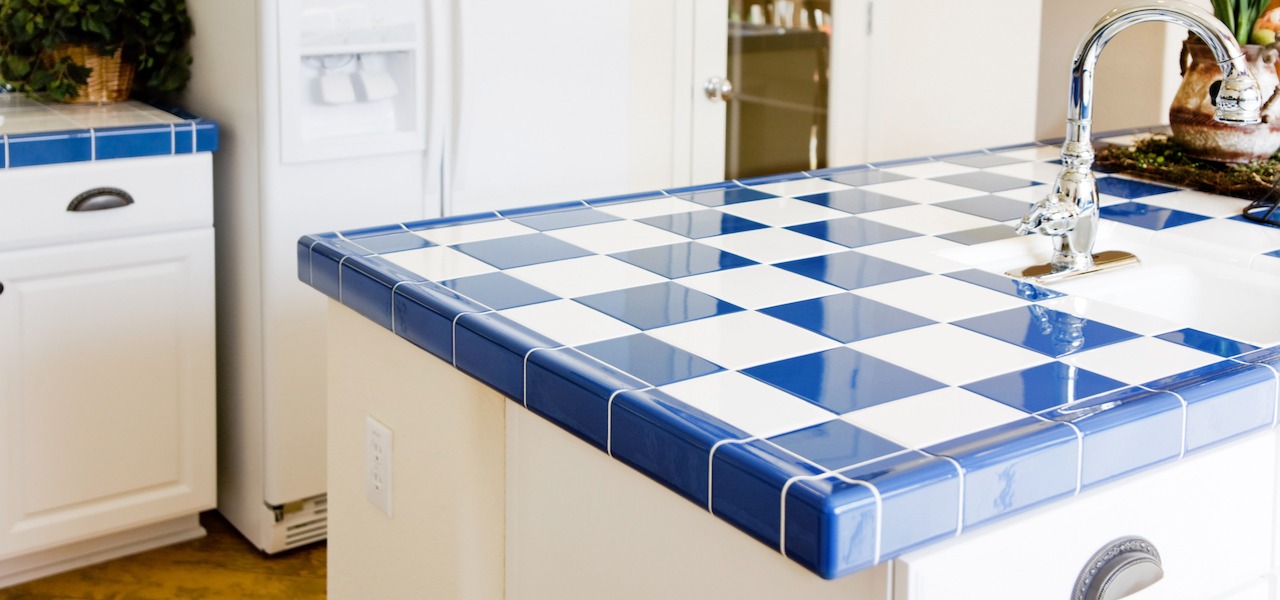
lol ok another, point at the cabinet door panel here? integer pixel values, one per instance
(106, 386)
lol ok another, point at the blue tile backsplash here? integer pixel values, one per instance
(841, 438)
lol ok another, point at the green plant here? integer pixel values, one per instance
(1239, 16)
(152, 34)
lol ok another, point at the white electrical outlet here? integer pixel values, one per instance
(377, 464)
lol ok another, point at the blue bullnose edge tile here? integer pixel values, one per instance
(492, 348)
(527, 211)
(1266, 356)
(423, 314)
(426, 224)
(4, 151)
(1013, 467)
(837, 170)
(624, 199)
(763, 179)
(305, 243)
(1224, 400)
(1124, 431)
(184, 137)
(374, 231)
(206, 136)
(326, 260)
(30, 149)
(132, 142)
(365, 290)
(573, 390)
(746, 486)
(668, 440)
(832, 521)
(705, 187)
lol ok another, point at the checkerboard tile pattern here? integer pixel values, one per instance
(793, 354)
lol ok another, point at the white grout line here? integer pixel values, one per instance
(173, 139)
(6, 151)
(93, 144)
(193, 137)
(711, 462)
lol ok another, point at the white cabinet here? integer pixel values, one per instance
(107, 414)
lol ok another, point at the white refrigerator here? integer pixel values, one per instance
(337, 114)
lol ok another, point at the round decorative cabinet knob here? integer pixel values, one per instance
(1122, 567)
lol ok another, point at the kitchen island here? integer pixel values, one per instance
(830, 362)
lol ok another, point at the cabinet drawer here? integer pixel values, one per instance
(168, 192)
(1210, 517)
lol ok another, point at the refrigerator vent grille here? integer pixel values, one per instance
(302, 526)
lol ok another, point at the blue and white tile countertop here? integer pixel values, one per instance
(34, 132)
(798, 355)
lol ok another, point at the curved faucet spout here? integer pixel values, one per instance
(1069, 214)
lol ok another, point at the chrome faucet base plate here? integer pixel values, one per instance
(1102, 261)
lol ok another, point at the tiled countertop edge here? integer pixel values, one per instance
(105, 143)
(784, 501)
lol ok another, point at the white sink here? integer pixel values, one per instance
(1222, 299)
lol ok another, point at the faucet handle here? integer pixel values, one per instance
(1053, 215)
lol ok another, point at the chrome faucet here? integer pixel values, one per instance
(1069, 214)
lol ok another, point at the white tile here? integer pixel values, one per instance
(923, 191)
(772, 245)
(800, 187)
(743, 339)
(617, 236)
(950, 354)
(930, 169)
(782, 212)
(933, 417)
(1045, 172)
(1049, 152)
(650, 208)
(1130, 320)
(941, 298)
(36, 123)
(439, 263)
(921, 252)
(1200, 203)
(586, 275)
(1221, 239)
(475, 232)
(1034, 193)
(1141, 360)
(759, 286)
(929, 220)
(569, 322)
(748, 404)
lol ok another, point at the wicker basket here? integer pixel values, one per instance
(111, 79)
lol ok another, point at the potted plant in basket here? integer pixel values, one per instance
(1191, 114)
(95, 50)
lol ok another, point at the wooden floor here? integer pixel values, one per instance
(220, 565)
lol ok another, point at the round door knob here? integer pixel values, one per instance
(718, 88)
(1121, 568)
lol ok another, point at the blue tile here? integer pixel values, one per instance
(653, 361)
(984, 181)
(498, 291)
(26, 150)
(372, 231)
(452, 221)
(521, 250)
(206, 136)
(658, 305)
(866, 177)
(1005, 285)
(842, 379)
(625, 199)
(1043, 387)
(983, 160)
(681, 260)
(919, 496)
(853, 231)
(1047, 331)
(702, 223)
(1273, 253)
(1148, 216)
(573, 390)
(542, 209)
(1130, 189)
(847, 317)
(365, 290)
(326, 260)
(392, 242)
(668, 440)
(828, 171)
(1013, 467)
(721, 197)
(831, 525)
(855, 201)
(763, 179)
(746, 486)
(1224, 400)
(134, 142)
(424, 314)
(980, 235)
(563, 219)
(492, 348)
(851, 270)
(836, 444)
(1207, 342)
(1124, 431)
(996, 208)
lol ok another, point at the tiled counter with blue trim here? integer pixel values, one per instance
(801, 356)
